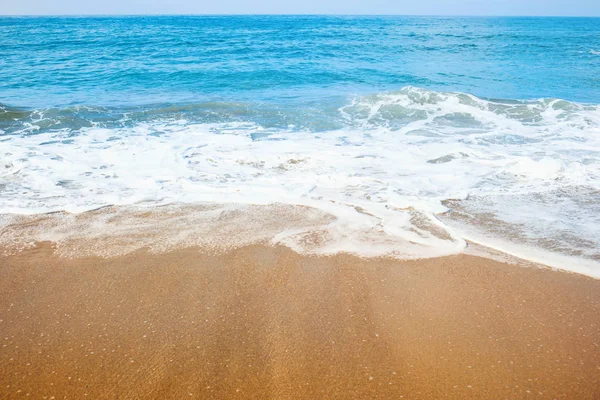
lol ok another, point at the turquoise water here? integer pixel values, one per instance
(157, 60)
(459, 120)
(280, 70)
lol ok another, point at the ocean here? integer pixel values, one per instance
(417, 135)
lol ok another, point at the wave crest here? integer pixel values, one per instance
(440, 110)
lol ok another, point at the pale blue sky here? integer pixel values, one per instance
(413, 7)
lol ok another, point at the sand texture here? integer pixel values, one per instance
(264, 322)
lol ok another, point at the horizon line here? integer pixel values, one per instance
(300, 15)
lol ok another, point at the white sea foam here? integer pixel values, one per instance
(382, 179)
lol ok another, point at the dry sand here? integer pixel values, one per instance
(264, 322)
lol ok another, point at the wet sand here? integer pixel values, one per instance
(263, 322)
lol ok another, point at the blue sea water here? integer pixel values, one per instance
(106, 61)
(461, 120)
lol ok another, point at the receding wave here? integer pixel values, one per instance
(411, 173)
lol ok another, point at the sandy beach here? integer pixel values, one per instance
(264, 322)
(300, 200)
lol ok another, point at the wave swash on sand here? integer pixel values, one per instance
(411, 173)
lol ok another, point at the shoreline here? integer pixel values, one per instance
(265, 322)
(118, 230)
